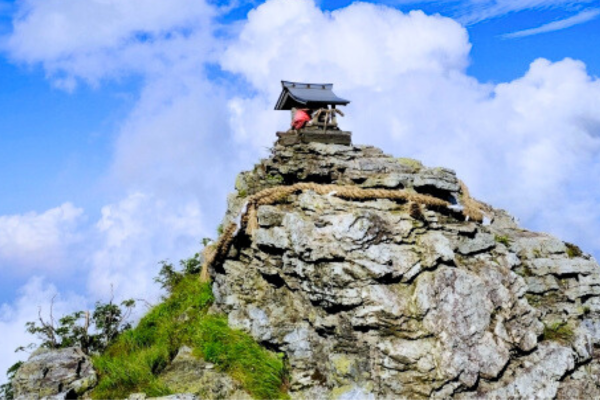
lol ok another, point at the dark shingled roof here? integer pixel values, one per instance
(309, 95)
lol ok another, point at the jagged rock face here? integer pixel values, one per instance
(368, 299)
(54, 374)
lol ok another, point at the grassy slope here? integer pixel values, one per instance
(133, 362)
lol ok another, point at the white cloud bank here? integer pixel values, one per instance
(95, 39)
(38, 242)
(531, 146)
(132, 236)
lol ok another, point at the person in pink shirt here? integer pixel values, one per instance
(301, 118)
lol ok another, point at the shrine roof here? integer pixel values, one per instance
(310, 95)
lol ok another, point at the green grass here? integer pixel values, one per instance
(558, 331)
(134, 361)
(412, 163)
(505, 240)
(524, 271)
(573, 250)
(274, 179)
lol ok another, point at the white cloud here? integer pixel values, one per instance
(473, 11)
(33, 296)
(405, 75)
(364, 48)
(577, 19)
(94, 39)
(39, 242)
(132, 236)
(170, 150)
(176, 141)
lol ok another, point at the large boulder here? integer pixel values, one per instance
(190, 374)
(54, 374)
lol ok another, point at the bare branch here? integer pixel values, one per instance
(146, 302)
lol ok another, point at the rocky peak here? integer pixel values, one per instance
(363, 166)
(369, 298)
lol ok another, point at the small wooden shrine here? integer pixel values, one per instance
(314, 113)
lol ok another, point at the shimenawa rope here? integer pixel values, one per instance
(248, 219)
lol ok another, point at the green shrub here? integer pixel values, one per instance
(6, 390)
(274, 179)
(133, 362)
(92, 332)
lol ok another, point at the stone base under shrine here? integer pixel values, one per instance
(312, 135)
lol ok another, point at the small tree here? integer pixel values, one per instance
(73, 330)
(91, 332)
(110, 320)
(168, 276)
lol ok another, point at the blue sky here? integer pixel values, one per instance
(123, 123)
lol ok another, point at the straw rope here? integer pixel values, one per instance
(472, 208)
(248, 221)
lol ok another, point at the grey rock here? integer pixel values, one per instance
(193, 378)
(537, 245)
(54, 373)
(542, 284)
(274, 238)
(539, 375)
(269, 216)
(389, 181)
(564, 266)
(368, 302)
(581, 384)
(481, 242)
(439, 178)
(435, 248)
(353, 393)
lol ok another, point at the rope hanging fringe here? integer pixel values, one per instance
(473, 207)
(248, 219)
